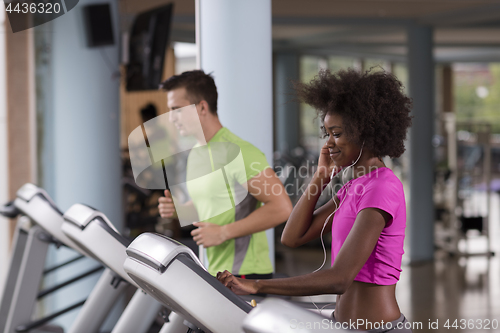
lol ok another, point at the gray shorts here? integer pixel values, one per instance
(395, 326)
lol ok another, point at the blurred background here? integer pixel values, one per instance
(73, 89)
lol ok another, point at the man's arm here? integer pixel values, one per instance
(167, 209)
(265, 187)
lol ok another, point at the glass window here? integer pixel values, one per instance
(338, 63)
(309, 123)
(477, 93)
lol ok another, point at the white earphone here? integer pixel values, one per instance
(336, 209)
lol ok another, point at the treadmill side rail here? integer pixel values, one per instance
(274, 315)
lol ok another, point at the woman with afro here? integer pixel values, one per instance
(365, 117)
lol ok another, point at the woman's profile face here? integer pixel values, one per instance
(342, 150)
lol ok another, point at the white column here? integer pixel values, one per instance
(83, 127)
(4, 223)
(235, 44)
(286, 69)
(421, 84)
(86, 117)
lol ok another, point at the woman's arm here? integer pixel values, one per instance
(305, 224)
(352, 256)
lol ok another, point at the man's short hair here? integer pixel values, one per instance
(199, 86)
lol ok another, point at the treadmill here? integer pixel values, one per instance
(173, 275)
(91, 230)
(274, 315)
(36, 230)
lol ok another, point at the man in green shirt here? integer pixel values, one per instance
(232, 230)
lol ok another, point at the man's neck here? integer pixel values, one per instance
(211, 128)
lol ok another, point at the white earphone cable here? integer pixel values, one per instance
(326, 221)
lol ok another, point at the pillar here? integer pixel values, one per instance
(421, 84)
(78, 102)
(4, 189)
(235, 44)
(287, 109)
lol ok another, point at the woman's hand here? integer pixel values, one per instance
(237, 285)
(305, 223)
(326, 165)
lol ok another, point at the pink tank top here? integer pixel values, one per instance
(380, 189)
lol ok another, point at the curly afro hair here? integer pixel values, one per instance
(372, 105)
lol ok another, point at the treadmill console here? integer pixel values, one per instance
(28, 191)
(81, 215)
(158, 251)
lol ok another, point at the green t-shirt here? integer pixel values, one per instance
(216, 173)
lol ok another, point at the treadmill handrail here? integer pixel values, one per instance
(216, 284)
(63, 284)
(278, 315)
(9, 210)
(37, 323)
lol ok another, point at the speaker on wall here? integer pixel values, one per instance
(99, 25)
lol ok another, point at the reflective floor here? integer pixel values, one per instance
(464, 289)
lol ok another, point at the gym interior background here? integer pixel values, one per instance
(66, 112)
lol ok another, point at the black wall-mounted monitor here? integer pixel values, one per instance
(99, 25)
(148, 42)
